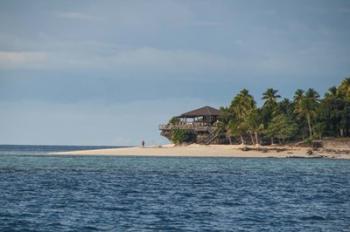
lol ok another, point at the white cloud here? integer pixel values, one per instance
(149, 62)
(149, 13)
(75, 15)
(89, 123)
(12, 60)
(206, 23)
(169, 60)
(131, 13)
(144, 59)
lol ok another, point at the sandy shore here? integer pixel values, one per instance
(196, 150)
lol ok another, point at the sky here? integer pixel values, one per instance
(109, 72)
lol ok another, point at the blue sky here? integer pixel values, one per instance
(108, 72)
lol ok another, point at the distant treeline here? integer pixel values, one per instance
(306, 117)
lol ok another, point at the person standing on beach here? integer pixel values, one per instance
(143, 143)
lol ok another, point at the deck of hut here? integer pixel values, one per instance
(201, 123)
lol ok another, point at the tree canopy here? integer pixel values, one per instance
(306, 116)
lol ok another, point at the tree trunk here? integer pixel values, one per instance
(229, 139)
(309, 124)
(256, 138)
(252, 138)
(242, 140)
(272, 141)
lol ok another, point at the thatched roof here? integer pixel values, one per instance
(203, 111)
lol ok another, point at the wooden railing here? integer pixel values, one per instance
(187, 126)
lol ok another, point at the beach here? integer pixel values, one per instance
(196, 150)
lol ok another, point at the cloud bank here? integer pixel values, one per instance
(94, 61)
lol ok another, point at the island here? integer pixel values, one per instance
(307, 126)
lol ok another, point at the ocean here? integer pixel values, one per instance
(42, 192)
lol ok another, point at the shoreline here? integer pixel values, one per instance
(196, 150)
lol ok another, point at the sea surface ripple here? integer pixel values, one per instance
(102, 193)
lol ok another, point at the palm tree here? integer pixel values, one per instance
(332, 92)
(297, 102)
(238, 128)
(286, 107)
(343, 93)
(270, 96)
(223, 128)
(344, 88)
(255, 125)
(281, 127)
(223, 125)
(298, 96)
(242, 106)
(306, 106)
(312, 94)
(334, 109)
(270, 107)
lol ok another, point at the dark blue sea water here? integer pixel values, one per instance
(41, 192)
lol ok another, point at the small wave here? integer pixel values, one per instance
(313, 218)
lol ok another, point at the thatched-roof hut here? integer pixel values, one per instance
(200, 123)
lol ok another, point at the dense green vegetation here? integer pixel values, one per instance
(305, 117)
(179, 136)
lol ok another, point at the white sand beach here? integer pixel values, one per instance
(195, 150)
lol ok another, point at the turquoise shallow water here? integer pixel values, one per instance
(52, 193)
